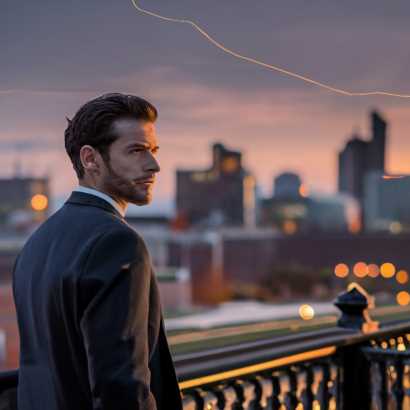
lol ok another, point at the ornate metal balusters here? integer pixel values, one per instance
(190, 402)
(306, 387)
(323, 393)
(397, 388)
(333, 385)
(274, 402)
(288, 389)
(382, 385)
(227, 398)
(245, 391)
(264, 392)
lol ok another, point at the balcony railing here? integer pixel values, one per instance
(354, 366)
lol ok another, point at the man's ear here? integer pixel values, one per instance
(89, 159)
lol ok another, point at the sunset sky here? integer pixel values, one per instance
(54, 56)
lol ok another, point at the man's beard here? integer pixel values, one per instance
(124, 188)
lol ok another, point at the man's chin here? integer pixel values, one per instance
(141, 201)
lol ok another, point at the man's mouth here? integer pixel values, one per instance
(145, 182)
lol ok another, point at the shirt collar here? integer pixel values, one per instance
(101, 195)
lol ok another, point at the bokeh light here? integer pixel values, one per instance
(306, 312)
(403, 298)
(290, 227)
(360, 269)
(395, 228)
(39, 202)
(402, 277)
(373, 270)
(341, 270)
(387, 270)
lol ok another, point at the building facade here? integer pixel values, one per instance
(387, 202)
(224, 194)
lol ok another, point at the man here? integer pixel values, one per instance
(88, 309)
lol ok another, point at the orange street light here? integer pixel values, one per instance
(402, 277)
(39, 202)
(341, 270)
(360, 269)
(387, 270)
(403, 298)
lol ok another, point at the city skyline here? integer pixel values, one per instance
(204, 96)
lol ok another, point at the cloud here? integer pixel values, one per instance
(273, 128)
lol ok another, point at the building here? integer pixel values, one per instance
(287, 185)
(361, 156)
(24, 201)
(224, 194)
(387, 202)
(291, 210)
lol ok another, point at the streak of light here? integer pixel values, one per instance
(261, 63)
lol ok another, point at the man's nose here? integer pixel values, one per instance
(153, 165)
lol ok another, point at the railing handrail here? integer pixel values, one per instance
(197, 365)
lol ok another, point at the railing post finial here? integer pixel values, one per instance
(354, 305)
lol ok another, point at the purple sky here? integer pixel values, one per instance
(55, 56)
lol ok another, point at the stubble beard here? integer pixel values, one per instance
(125, 189)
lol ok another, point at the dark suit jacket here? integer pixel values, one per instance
(89, 315)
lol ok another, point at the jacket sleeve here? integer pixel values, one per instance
(114, 324)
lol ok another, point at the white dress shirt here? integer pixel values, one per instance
(101, 195)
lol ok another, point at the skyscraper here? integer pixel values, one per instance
(361, 156)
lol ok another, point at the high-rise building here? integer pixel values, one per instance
(387, 202)
(224, 194)
(361, 156)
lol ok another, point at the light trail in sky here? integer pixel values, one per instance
(266, 65)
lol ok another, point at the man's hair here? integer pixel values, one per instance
(93, 124)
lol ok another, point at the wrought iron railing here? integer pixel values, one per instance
(354, 366)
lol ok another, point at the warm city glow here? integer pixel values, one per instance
(303, 191)
(39, 202)
(289, 227)
(373, 270)
(387, 270)
(355, 226)
(341, 270)
(306, 312)
(393, 176)
(316, 405)
(360, 269)
(402, 277)
(403, 298)
(230, 165)
(395, 228)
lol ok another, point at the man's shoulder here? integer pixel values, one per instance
(118, 231)
(119, 239)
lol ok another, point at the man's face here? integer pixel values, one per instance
(130, 173)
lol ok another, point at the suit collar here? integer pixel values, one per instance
(103, 195)
(82, 198)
